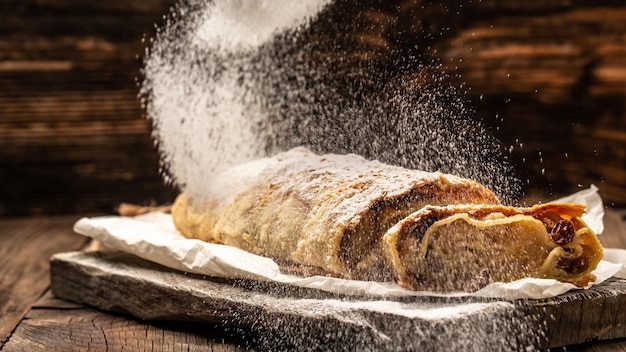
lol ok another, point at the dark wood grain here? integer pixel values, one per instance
(26, 246)
(550, 80)
(547, 77)
(72, 130)
(80, 328)
(594, 314)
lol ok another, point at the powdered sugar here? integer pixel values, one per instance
(238, 25)
(198, 84)
(227, 82)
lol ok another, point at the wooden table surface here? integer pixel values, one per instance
(31, 319)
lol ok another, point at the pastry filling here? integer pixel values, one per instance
(448, 252)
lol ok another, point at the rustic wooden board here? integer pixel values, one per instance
(285, 318)
(25, 249)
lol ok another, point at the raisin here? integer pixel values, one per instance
(563, 232)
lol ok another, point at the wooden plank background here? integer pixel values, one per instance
(548, 77)
(551, 75)
(72, 134)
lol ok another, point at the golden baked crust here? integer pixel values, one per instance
(325, 211)
(446, 248)
(345, 216)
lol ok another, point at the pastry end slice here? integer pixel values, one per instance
(464, 247)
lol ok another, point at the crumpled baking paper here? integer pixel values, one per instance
(153, 237)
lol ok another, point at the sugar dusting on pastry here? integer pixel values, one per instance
(229, 81)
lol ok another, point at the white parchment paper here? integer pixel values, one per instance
(153, 237)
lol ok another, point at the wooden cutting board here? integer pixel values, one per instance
(282, 317)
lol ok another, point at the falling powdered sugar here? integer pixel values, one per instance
(227, 82)
(198, 90)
